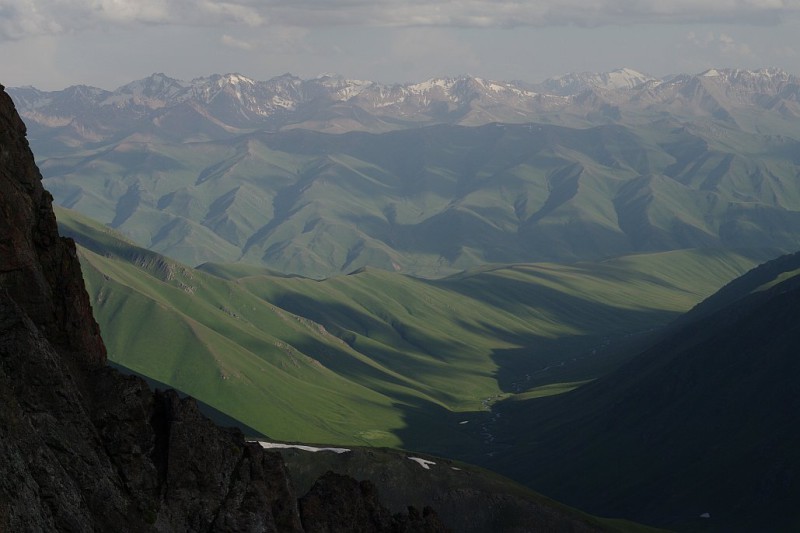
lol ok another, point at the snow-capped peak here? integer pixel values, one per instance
(153, 91)
(239, 101)
(155, 83)
(760, 81)
(431, 84)
(234, 79)
(342, 88)
(574, 83)
(624, 78)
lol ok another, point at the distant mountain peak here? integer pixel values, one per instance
(710, 73)
(770, 73)
(432, 83)
(574, 83)
(154, 81)
(236, 79)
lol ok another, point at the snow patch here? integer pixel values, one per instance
(424, 463)
(235, 79)
(286, 103)
(419, 88)
(280, 445)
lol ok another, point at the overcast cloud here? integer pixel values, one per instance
(21, 18)
(114, 41)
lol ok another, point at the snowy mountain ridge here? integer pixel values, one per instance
(574, 83)
(336, 104)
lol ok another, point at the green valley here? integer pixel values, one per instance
(375, 357)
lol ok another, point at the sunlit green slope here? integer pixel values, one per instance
(375, 357)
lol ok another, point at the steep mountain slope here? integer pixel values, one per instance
(374, 357)
(703, 421)
(433, 201)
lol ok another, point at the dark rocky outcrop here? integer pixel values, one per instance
(85, 448)
(38, 269)
(340, 504)
(467, 499)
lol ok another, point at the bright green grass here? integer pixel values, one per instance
(243, 361)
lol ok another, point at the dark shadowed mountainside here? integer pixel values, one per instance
(704, 422)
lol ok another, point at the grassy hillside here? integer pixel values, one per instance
(434, 201)
(702, 421)
(375, 357)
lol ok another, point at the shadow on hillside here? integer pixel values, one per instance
(590, 345)
(430, 428)
(544, 361)
(585, 338)
(346, 325)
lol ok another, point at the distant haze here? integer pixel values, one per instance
(53, 44)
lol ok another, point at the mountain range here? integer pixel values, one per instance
(225, 169)
(651, 194)
(232, 103)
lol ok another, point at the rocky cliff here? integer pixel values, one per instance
(85, 448)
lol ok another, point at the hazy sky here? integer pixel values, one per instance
(55, 43)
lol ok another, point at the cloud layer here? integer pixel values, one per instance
(21, 18)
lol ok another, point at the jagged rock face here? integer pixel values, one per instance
(126, 459)
(85, 448)
(39, 269)
(56, 474)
